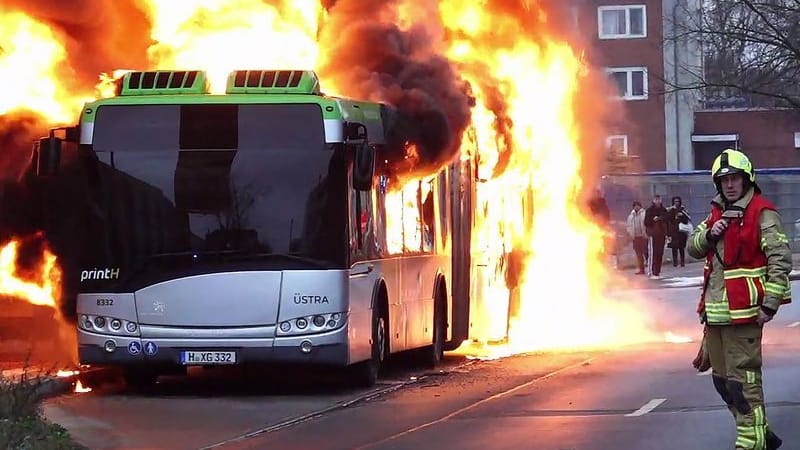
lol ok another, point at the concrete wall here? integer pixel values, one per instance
(780, 186)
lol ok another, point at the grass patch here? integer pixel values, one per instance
(22, 425)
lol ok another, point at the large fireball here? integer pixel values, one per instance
(492, 78)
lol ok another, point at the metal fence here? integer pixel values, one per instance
(780, 186)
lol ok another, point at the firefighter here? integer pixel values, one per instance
(746, 279)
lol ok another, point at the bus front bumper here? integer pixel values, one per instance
(323, 349)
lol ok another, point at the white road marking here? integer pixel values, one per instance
(649, 406)
(702, 374)
(793, 325)
(476, 404)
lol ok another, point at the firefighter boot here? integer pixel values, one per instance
(773, 441)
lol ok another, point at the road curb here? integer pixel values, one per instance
(54, 386)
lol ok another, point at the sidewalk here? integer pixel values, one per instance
(689, 276)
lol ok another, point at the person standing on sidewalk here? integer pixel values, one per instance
(655, 222)
(635, 227)
(746, 279)
(679, 218)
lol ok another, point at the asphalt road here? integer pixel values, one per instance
(638, 397)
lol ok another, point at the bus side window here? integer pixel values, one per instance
(379, 217)
(362, 234)
(367, 223)
(428, 220)
(443, 204)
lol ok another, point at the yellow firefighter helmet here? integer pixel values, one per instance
(732, 161)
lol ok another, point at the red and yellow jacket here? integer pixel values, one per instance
(748, 267)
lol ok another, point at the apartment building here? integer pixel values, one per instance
(771, 137)
(632, 40)
(654, 126)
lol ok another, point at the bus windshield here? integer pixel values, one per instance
(202, 182)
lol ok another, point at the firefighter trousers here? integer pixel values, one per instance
(735, 353)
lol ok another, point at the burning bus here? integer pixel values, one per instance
(264, 225)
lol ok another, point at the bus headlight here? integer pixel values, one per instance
(317, 323)
(116, 326)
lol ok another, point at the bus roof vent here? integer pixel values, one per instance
(273, 82)
(164, 83)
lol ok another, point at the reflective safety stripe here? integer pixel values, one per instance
(750, 275)
(787, 294)
(753, 436)
(699, 233)
(751, 287)
(741, 273)
(718, 312)
(780, 237)
(760, 426)
(746, 437)
(777, 290)
(748, 313)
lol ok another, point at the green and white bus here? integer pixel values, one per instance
(258, 226)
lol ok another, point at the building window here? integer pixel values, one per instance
(707, 147)
(617, 145)
(797, 139)
(631, 82)
(622, 22)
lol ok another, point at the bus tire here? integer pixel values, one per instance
(433, 354)
(139, 378)
(365, 374)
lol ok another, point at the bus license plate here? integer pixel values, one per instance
(199, 357)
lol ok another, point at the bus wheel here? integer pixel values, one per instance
(434, 353)
(138, 378)
(365, 374)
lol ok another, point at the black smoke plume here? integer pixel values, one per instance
(369, 56)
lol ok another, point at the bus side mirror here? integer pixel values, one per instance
(363, 167)
(47, 156)
(354, 131)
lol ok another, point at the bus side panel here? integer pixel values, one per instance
(419, 281)
(363, 284)
(444, 245)
(389, 269)
(461, 190)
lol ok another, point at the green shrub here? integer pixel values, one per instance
(22, 426)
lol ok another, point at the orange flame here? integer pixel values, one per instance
(44, 289)
(107, 86)
(79, 389)
(540, 278)
(66, 373)
(219, 36)
(32, 58)
(530, 226)
(673, 338)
